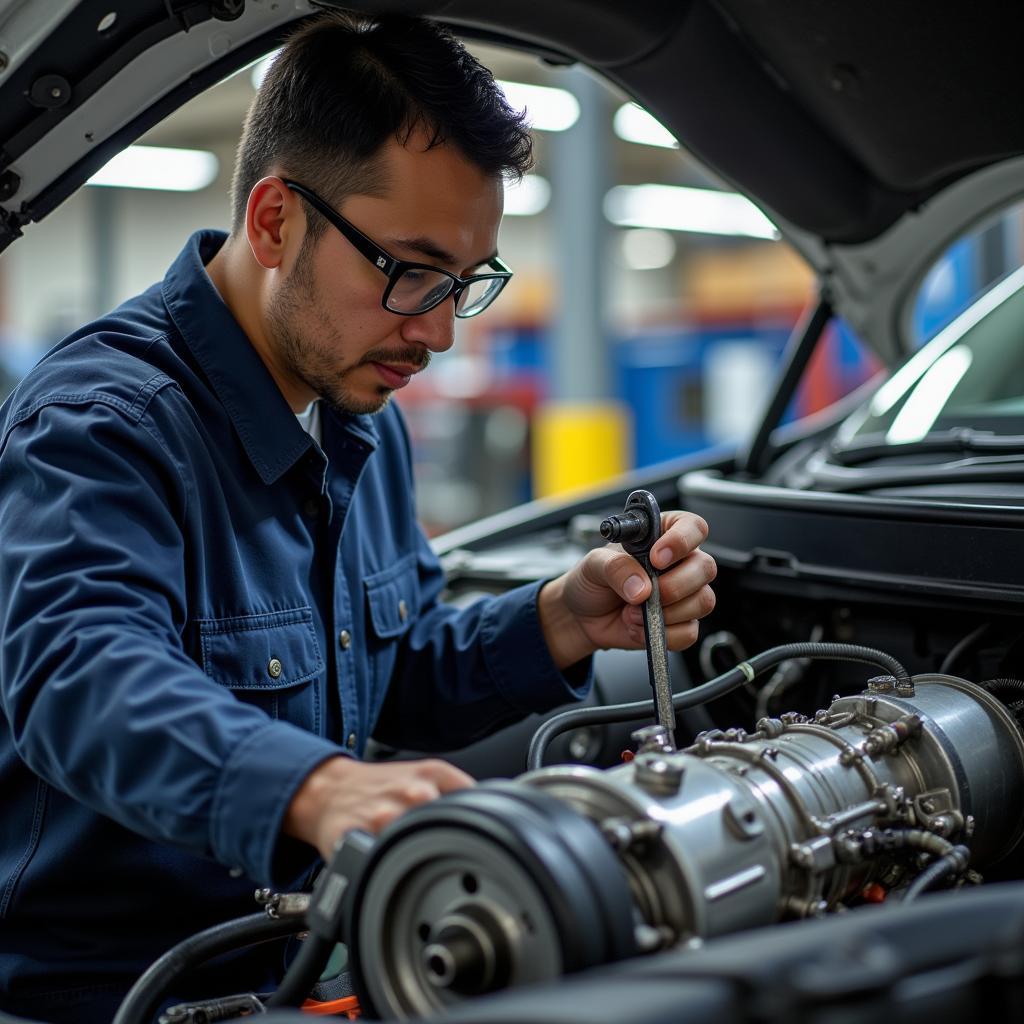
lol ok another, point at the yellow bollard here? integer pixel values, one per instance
(578, 445)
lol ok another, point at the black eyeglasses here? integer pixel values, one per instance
(415, 288)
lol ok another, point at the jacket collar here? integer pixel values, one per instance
(270, 433)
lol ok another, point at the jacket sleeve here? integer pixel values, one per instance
(463, 672)
(100, 696)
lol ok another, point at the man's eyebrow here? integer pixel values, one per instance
(432, 251)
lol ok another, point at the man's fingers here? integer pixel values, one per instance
(684, 590)
(678, 638)
(682, 532)
(612, 567)
(382, 812)
(694, 606)
(682, 581)
(446, 777)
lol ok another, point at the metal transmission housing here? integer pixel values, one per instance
(570, 867)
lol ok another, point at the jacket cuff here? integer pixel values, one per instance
(518, 657)
(256, 786)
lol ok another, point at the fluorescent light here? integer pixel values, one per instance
(547, 109)
(158, 167)
(677, 208)
(647, 248)
(634, 124)
(929, 397)
(526, 197)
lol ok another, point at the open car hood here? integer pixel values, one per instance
(871, 133)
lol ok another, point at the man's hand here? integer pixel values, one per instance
(341, 794)
(597, 604)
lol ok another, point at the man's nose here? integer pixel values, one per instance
(435, 329)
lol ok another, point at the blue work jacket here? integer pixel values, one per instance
(199, 604)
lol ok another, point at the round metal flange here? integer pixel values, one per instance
(487, 888)
(425, 894)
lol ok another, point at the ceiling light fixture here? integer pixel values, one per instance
(527, 197)
(678, 208)
(633, 124)
(647, 248)
(547, 109)
(158, 167)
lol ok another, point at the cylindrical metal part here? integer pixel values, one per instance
(750, 834)
(515, 883)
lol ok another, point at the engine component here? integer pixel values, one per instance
(569, 867)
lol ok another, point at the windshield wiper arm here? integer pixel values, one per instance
(954, 440)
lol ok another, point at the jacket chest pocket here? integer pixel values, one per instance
(272, 661)
(392, 598)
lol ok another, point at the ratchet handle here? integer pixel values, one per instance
(637, 528)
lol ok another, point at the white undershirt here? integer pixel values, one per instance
(309, 420)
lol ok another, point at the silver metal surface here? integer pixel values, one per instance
(751, 828)
(445, 883)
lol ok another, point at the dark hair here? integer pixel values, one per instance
(342, 87)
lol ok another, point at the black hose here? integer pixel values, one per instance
(304, 972)
(952, 864)
(961, 647)
(145, 995)
(1007, 685)
(714, 688)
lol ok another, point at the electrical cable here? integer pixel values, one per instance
(142, 1000)
(786, 676)
(953, 863)
(711, 690)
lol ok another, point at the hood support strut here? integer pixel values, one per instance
(754, 457)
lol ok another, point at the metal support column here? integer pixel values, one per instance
(103, 215)
(582, 437)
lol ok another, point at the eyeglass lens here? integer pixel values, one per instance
(416, 290)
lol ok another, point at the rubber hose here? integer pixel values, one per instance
(711, 690)
(304, 972)
(145, 995)
(1011, 685)
(952, 863)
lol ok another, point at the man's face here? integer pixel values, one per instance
(326, 321)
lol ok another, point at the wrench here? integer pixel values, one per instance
(637, 528)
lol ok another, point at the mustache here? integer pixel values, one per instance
(418, 357)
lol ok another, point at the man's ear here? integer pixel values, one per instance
(273, 215)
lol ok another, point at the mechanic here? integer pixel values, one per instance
(213, 589)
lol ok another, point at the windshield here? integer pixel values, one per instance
(970, 375)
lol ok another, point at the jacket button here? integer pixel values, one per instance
(403, 610)
(345, 639)
(275, 668)
(351, 741)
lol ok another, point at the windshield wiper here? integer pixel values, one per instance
(954, 441)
